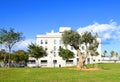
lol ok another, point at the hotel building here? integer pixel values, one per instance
(51, 42)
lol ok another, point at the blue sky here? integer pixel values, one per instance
(32, 17)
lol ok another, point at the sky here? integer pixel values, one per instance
(33, 17)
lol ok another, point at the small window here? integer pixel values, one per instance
(60, 47)
(31, 61)
(83, 48)
(88, 60)
(54, 61)
(54, 48)
(46, 48)
(71, 48)
(98, 59)
(46, 42)
(60, 42)
(41, 41)
(54, 54)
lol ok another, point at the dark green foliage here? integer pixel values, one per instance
(36, 51)
(112, 53)
(19, 56)
(105, 52)
(65, 54)
(3, 55)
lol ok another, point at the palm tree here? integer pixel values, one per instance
(36, 51)
(105, 52)
(112, 53)
(116, 55)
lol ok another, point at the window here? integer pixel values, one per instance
(54, 48)
(88, 60)
(60, 42)
(43, 61)
(46, 48)
(54, 54)
(31, 61)
(98, 59)
(55, 42)
(55, 61)
(69, 61)
(41, 42)
(83, 48)
(71, 48)
(60, 47)
(46, 42)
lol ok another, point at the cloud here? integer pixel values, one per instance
(107, 32)
(23, 44)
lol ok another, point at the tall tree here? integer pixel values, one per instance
(36, 51)
(9, 38)
(105, 52)
(74, 39)
(116, 54)
(66, 54)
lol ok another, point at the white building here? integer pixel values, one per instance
(51, 43)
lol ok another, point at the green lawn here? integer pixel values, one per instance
(108, 73)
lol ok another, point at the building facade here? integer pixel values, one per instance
(51, 42)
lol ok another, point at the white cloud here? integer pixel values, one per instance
(105, 31)
(23, 44)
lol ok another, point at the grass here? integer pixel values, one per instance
(108, 73)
